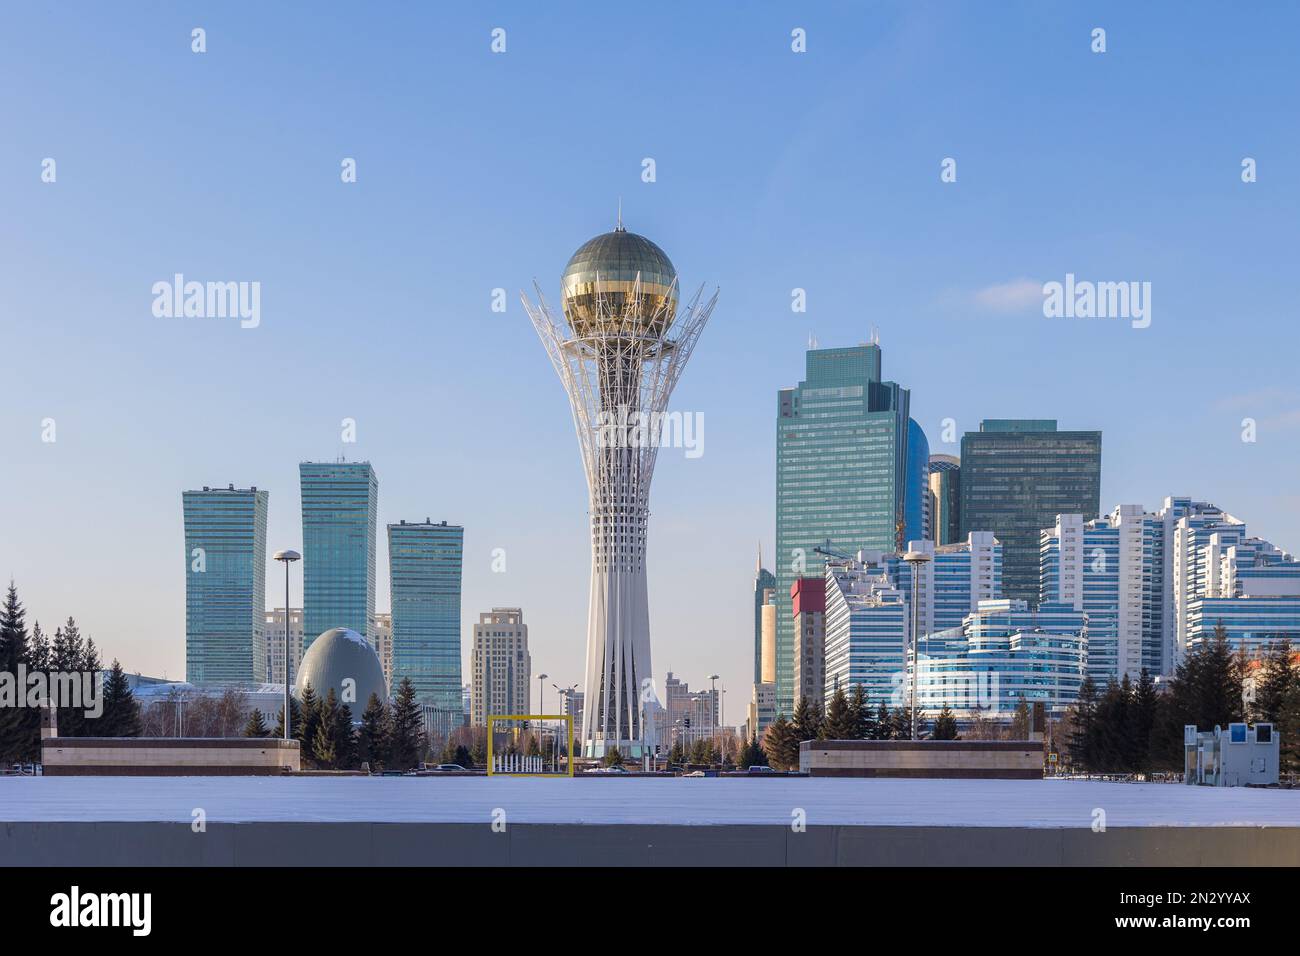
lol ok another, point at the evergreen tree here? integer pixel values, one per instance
(448, 753)
(781, 745)
(900, 722)
(407, 739)
(1082, 713)
(372, 739)
(752, 755)
(807, 723)
(1287, 725)
(1217, 688)
(306, 727)
(840, 724)
(479, 754)
(70, 656)
(295, 720)
(256, 726)
(1142, 720)
(19, 726)
(121, 716)
(614, 757)
(883, 728)
(462, 757)
(677, 754)
(1275, 678)
(40, 649)
(325, 743)
(701, 753)
(345, 739)
(860, 711)
(1105, 744)
(945, 725)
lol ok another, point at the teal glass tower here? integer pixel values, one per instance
(225, 585)
(340, 508)
(424, 561)
(841, 476)
(1017, 475)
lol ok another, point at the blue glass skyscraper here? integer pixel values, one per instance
(424, 562)
(841, 475)
(340, 508)
(225, 584)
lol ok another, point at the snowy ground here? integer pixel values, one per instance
(697, 802)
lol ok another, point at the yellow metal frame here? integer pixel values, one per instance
(567, 718)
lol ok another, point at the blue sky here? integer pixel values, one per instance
(476, 170)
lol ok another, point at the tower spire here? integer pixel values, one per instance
(619, 226)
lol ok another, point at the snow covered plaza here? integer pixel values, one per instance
(429, 821)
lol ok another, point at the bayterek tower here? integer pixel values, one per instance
(619, 352)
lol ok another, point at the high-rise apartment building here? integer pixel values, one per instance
(225, 584)
(340, 508)
(1017, 475)
(424, 561)
(501, 666)
(382, 640)
(275, 635)
(808, 607)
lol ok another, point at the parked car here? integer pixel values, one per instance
(450, 768)
(755, 768)
(695, 773)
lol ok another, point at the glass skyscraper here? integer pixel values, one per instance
(340, 508)
(225, 584)
(1017, 475)
(424, 561)
(841, 467)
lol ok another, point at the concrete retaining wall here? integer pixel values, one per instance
(165, 756)
(469, 844)
(957, 759)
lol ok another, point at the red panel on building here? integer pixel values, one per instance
(808, 594)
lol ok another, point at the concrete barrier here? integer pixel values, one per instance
(525, 844)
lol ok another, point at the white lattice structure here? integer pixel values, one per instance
(619, 363)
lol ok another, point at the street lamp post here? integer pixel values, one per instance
(541, 707)
(288, 557)
(713, 693)
(915, 559)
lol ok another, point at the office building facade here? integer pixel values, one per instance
(225, 584)
(841, 474)
(340, 509)
(1003, 654)
(1017, 475)
(424, 561)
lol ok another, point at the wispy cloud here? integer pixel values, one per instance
(1017, 295)
(1271, 407)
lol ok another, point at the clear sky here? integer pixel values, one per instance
(775, 170)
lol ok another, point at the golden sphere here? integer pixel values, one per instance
(598, 282)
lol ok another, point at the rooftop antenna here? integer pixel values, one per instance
(812, 341)
(619, 227)
(875, 335)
